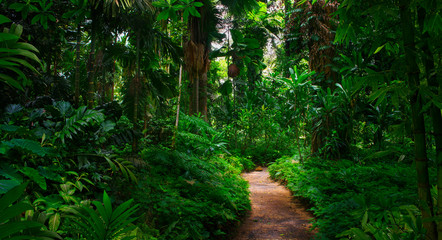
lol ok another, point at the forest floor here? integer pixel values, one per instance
(275, 213)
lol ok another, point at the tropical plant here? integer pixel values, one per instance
(12, 226)
(14, 55)
(401, 223)
(105, 222)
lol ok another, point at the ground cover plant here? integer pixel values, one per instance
(343, 194)
(205, 195)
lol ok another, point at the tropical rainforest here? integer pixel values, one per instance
(134, 119)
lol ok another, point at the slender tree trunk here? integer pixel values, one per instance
(196, 52)
(301, 160)
(113, 76)
(437, 129)
(421, 160)
(91, 63)
(77, 67)
(435, 112)
(287, 31)
(203, 96)
(136, 93)
(177, 121)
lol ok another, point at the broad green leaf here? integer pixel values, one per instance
(172, 14)
(163, 15)
(7, 37)
(28, 145)
(52, 18)
(63, 107)
(11, 228)
(34, 175)
(11, 196)
(36, 19)
(4, 19)
(186, 14)
(107, 205)
(6, 185)
(198, 4)
(14, 210)
(54, 222)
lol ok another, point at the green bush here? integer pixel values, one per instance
(191, 198)
(342, 191)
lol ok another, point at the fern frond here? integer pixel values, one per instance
(81, 118)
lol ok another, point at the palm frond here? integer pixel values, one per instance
(240, 7)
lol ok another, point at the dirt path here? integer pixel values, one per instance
(275, 213)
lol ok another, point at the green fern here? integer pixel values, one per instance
(197, 134)
(80, 119)
(115, 164)
(125, 166)
(196, 125)
(106, 223)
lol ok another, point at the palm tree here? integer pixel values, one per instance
(198, 46)
(317, 31)
(100, 10)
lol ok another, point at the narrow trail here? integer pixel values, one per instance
(275, 213)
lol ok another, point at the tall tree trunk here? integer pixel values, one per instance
(196, 57)
(320, 58)
(77, 66)
(177, 121)
(301, 160)
(437, 129)
(91, 62)
(421, 160)
(136, 92)
(287, 32)
(435, 112)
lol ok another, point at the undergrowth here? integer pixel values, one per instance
(189, 197)
(58, 160)
(344, 193)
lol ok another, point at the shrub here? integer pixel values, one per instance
(342, 191)
(188, 197)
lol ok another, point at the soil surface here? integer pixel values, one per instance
(275, 213)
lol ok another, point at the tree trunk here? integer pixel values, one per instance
(435, 112)
(136, 93)
(196, 57)
(77, 67)
(202, 95)
(437, 129)
(91, 62)
(320, 58)
(178, 107)
(421, 160)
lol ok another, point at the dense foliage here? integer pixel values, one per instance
(133, 119)
(178, 194)
(344, 194)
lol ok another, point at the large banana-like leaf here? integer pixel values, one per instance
(14, 55)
